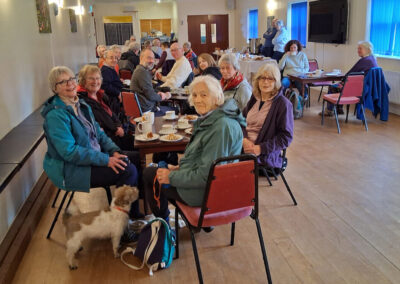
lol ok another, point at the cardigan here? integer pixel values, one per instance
(276, 134)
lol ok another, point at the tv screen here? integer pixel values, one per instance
(328, 21)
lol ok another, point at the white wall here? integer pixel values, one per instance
(329, 56)
(203, 7)
(144, 10)
(27, 56)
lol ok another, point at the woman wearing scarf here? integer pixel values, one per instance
(233, 84)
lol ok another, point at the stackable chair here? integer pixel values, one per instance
(109, 198)
(131, 105)
(278, 171)
(351, 93)
(231, 194)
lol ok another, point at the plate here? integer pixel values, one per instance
(189, 131)
(191, 117)
(167, 132)
(170, 118)
(143, 138)
(184, 127)
(165, 138)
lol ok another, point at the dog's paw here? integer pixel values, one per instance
(73, 267)
(116, 255)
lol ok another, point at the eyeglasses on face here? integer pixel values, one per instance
(66, 82)
(94, 78)
(263, 78)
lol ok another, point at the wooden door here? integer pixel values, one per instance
(206, 32)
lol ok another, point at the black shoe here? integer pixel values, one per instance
(208, 229)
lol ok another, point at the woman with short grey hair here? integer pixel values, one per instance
(216, 133)
(233, 83)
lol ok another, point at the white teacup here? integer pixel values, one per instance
(170, 114)
(149, 116)
(318, 72)
(145, 127)
(183, 122)
(167, 128)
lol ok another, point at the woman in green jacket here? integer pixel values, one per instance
(217, 133)
(79, 154)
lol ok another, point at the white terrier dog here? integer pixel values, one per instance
(109, 223)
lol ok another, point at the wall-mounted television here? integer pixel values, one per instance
(328, 21)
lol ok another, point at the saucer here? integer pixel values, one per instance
(144, 138)
(170, 118)
(167, 131)
(167, 138)
(184, 126)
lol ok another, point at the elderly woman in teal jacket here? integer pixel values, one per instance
(217, 133)
(79, 154)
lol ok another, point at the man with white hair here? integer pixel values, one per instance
(179, 72)
(132, 55)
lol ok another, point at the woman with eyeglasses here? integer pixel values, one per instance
(90, 80)
(79, 154)
(269, 117)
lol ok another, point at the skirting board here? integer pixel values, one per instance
(13, 246)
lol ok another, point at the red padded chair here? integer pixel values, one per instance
(131, 105)
(351, 94)
(231, 194)
(125, 74)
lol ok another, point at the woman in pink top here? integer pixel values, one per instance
(269, 117)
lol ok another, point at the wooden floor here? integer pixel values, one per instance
(345, 229)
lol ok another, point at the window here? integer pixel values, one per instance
(299, 22)
(385, 27)
(253, 23)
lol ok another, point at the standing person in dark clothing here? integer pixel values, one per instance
(268, 47)
(132, 55)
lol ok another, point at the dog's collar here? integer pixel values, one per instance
(122, 210)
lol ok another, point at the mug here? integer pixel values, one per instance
(149, 116)
(318, 72)
(183, 122)
(167, 128)
(293, 53)
(170, 114)
(145, 127)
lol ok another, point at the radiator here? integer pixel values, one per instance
(393, 79)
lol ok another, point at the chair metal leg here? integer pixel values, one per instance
(70, 199)
(266, 175)
(320, 93)
(58, 213)
(288, 188)
(109, 196)
(365, 118)
(323, 112)
(264, 253)
(233, 234)
(274, 173)
(196, 257)
(55, 198)
(337, 119)
(176, 233)
(347, 112)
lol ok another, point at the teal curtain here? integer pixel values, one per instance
(385, 27)
(299, 22)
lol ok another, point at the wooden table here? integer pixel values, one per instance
(156, 146)
(306, 79)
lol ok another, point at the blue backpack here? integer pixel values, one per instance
(155, 247)
(297, 101)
